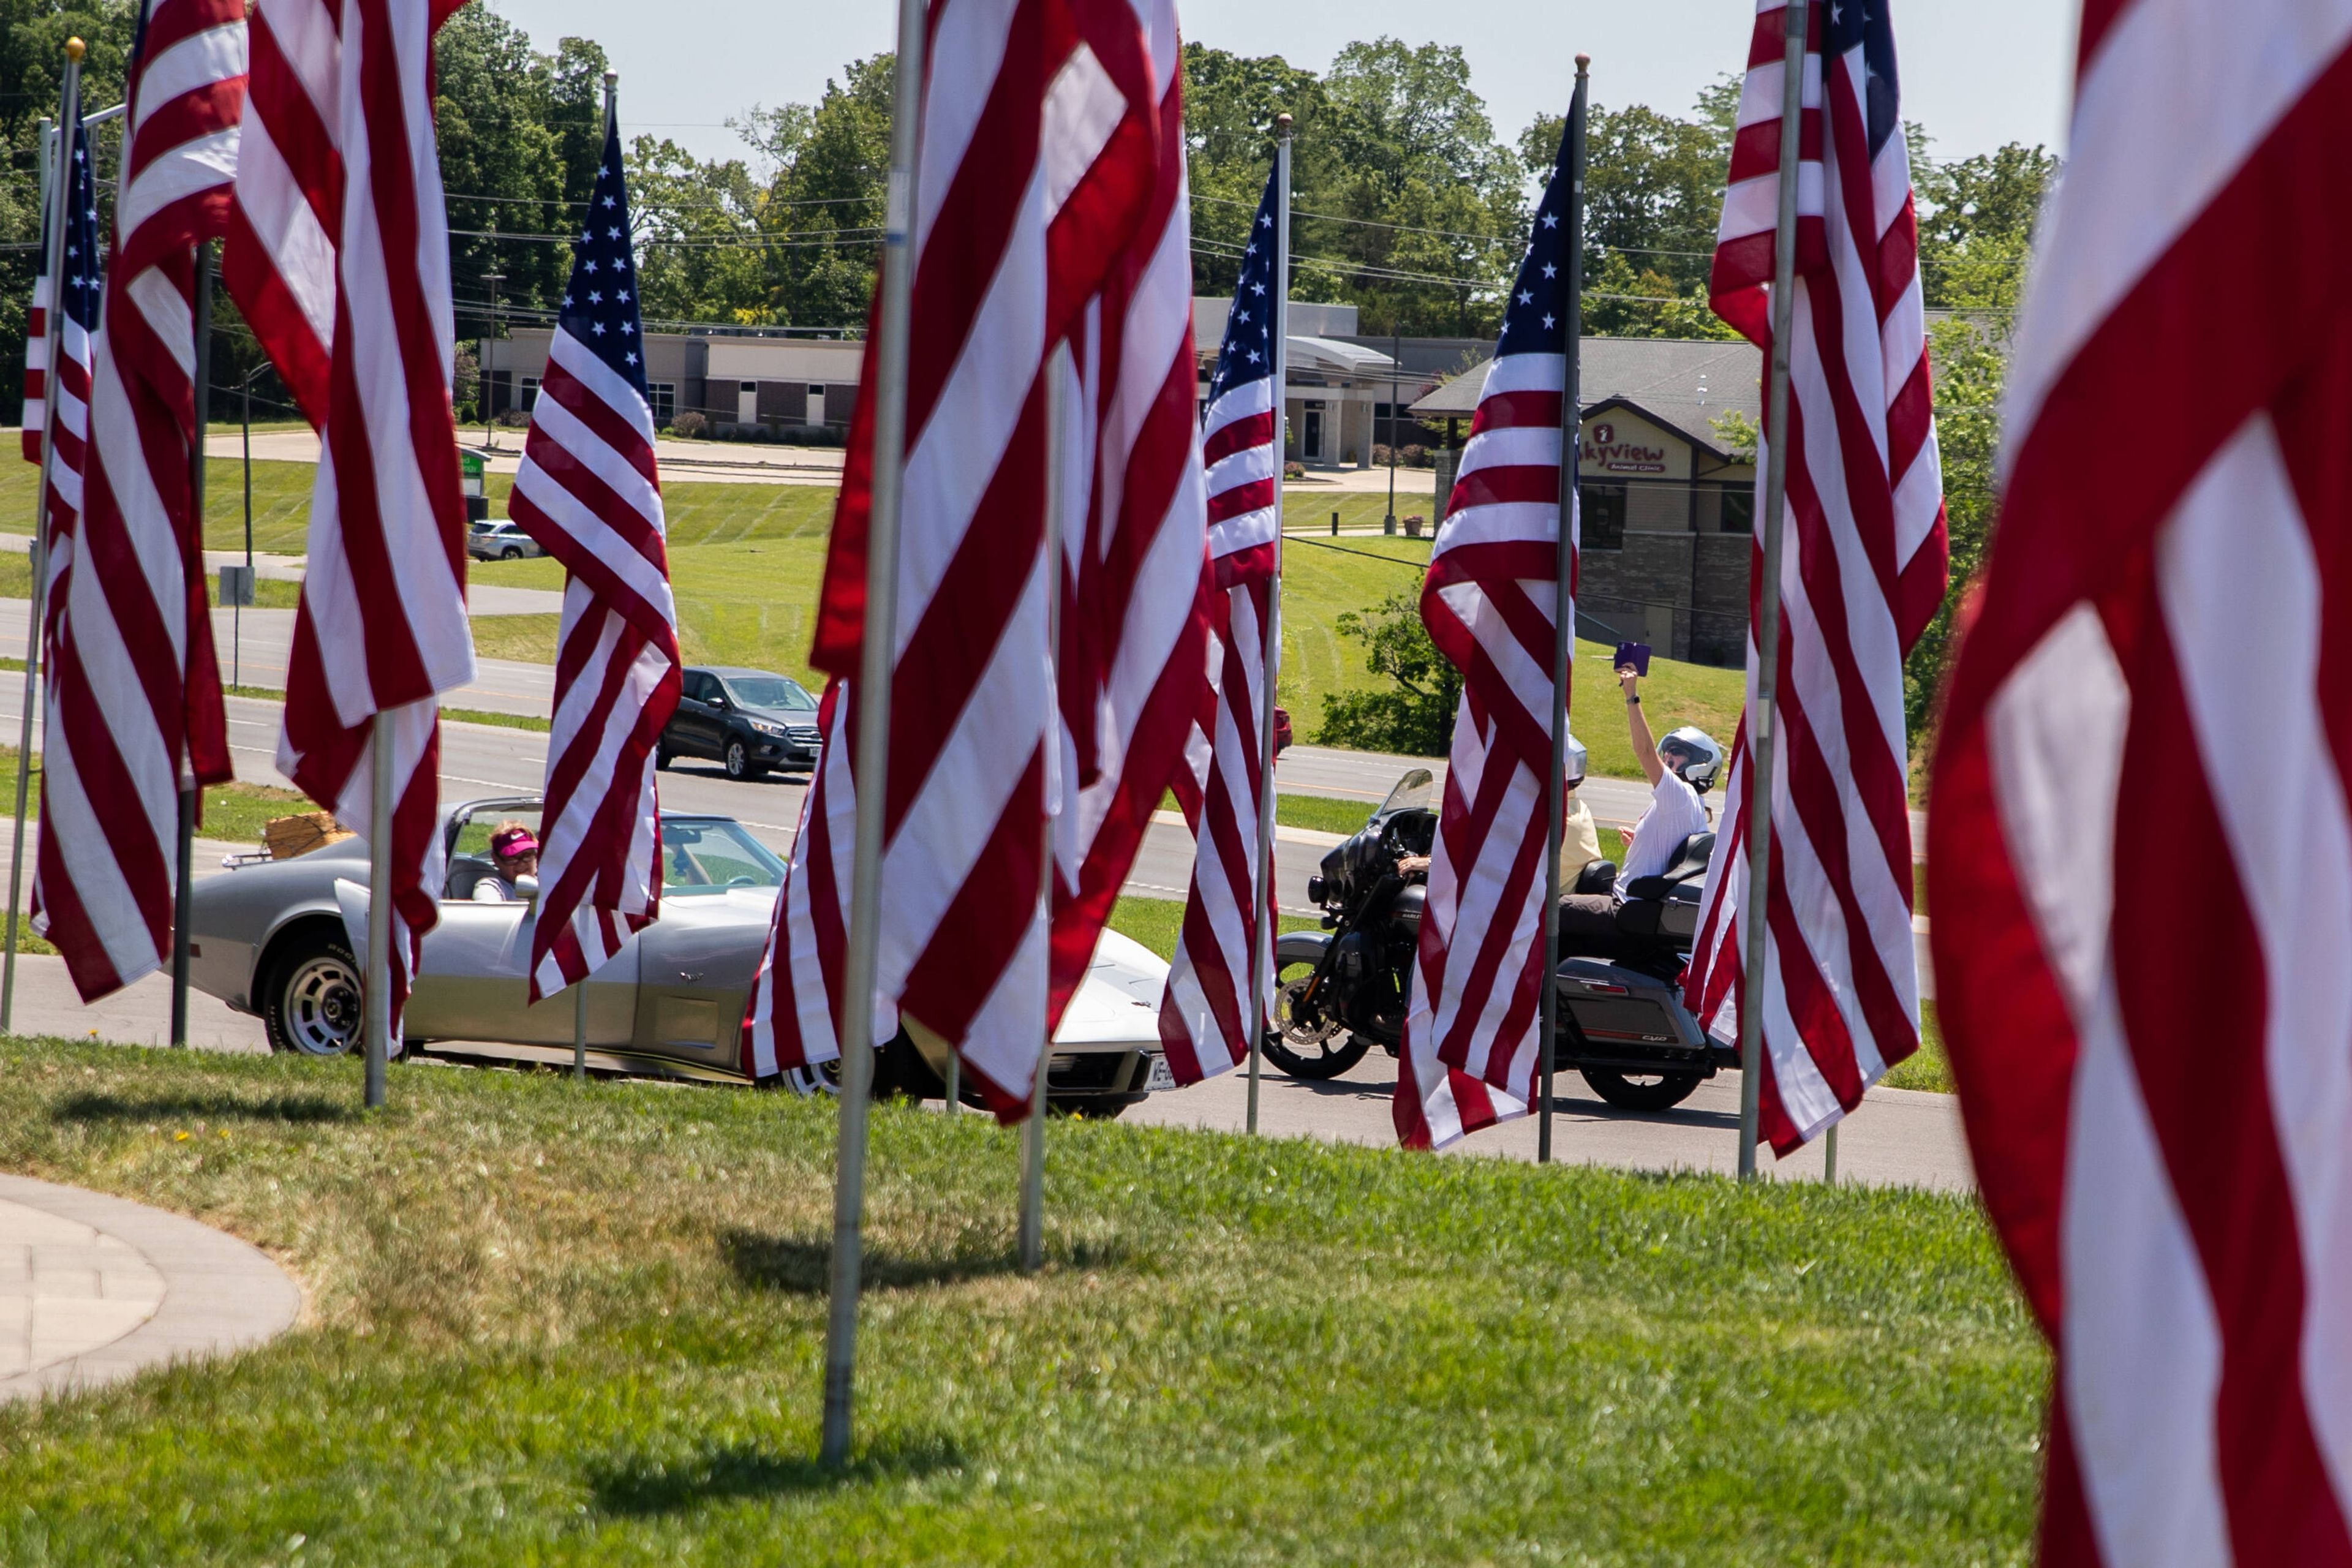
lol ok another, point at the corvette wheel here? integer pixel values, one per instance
(314, 1005)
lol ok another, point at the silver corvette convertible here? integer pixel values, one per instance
(268, 937)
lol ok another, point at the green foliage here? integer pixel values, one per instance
(1414, 713)
(1393, 138)
(1969, 367)
(1976, 224)
(517, 141)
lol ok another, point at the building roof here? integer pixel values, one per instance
(1686, 383)
(1330, 356)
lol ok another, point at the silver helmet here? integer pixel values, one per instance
(1573, 759)
(1691, 754)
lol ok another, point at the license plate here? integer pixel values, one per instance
(1161, 1076)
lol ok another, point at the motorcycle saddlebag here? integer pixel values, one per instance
(1674, 917)
(1620, 1011)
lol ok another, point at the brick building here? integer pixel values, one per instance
(1668, 501)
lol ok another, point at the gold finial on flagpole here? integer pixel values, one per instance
(1282, 122)
(75, 49)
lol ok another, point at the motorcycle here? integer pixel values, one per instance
(1344, 989)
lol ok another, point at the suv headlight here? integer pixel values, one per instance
(761, 729)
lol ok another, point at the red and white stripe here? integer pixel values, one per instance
(52, 337)
(796, 996)
(132, 690)
(1473, 1027)
(2156, 1069)
(587, 490)
(381, 628)
(73, 390)
(1204, 1016)
(1049, 214)
(1862, 569)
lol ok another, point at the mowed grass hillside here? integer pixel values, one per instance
(746, 560)
(548, 1322)
(751, 603)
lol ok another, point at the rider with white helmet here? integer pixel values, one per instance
(1680, 769)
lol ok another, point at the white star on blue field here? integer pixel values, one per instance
(1247, 352)
(599, 304)
(80, 289)
(1534, 317)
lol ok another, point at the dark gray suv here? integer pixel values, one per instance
(747, 720)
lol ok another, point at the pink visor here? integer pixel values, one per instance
(512, 842)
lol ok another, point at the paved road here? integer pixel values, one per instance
(1898, 1137)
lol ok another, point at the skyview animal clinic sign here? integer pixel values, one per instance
(1604, 451)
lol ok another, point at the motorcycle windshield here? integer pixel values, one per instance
(1415, 792)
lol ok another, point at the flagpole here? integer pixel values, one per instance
(871, 753)
(1563, 601)
(1762, 738)
(183, 872)
(60, 196)
(1033, 1131)
(1262, 951)
(376, 986)
(580, 987)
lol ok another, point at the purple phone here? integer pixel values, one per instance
(1636, 654)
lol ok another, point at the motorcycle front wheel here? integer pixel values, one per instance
(1303, 1043)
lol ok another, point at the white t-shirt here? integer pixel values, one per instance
(1674, 815)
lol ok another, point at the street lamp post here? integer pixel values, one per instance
(489, 414)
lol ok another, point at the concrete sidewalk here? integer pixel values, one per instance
(94, 1288)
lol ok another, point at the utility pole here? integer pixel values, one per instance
(1396, 348)
(493, 280)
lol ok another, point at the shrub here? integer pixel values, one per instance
(1381, 455)
(689, 426)
(1415, 717)
(515, 418)
(1294, 470)
(1416, 455)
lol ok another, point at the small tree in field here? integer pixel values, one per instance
(1413, 715)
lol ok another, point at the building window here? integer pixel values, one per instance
(529, 394)
(1739, 509)
(1602, 516)
(662, 397)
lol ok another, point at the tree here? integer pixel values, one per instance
(1653, 193)
(1976, 224)
(32, 71)
(501, 166)
(1416, 715)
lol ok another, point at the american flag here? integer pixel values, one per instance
(1861, 573)
(1474, 1025)
(1050, 215)
(588, 492)
(83, 288)
(1204, 1016)
(2154, 1057)
(132, 692)
(381, 628)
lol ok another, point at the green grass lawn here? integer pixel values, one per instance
(549, 1322)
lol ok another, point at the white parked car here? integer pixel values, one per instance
(500, 540)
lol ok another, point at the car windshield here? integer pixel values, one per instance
(769, 691)
(711, 856)
(1413, 793)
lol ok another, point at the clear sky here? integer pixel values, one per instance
(1977, 72)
